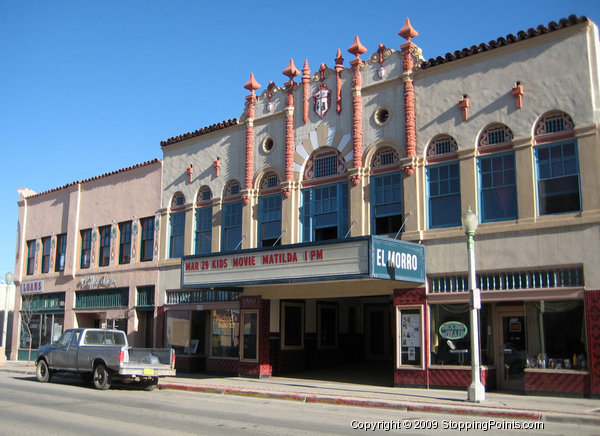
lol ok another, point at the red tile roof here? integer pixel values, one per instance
(510, 39)
(200, 132)
(150, 162)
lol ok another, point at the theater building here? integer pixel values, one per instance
(323, 226)
(87, 256)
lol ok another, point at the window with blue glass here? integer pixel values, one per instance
(269, 226)
(324, 212)
(30, 257)
(46, 254)
(147, 243)
(498, 187)
(203, 229)
(557, 178)
(104, 253)
(125, 242)
(443, 183)
(177, 221)
(386, 204)
(232, 226)
(61, 249)
(86, 248)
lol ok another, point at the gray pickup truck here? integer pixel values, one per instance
(101, 356)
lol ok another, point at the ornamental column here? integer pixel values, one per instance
(357, 49)
(289, 187)
(339, 67)
(407, 32)
(252, 85)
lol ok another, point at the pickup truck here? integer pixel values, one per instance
(102, 356)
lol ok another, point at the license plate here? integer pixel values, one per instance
(148, 371)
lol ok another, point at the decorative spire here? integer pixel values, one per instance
(357, 48)
(291, 71)
(339, 67)
(408, 32)
(305, 80)
(252, 85)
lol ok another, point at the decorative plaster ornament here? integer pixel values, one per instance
(322, 100)
(382, 72)
(270, 106)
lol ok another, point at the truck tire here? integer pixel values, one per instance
(42, 372)
(101, 377)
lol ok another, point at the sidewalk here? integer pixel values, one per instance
(496, 405)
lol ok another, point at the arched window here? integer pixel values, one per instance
(557, 165)
(497, 174)
(231, 236)
(177, 226)
(386, 193)
(443, 183)
(269, 211)
(324, 203)
(203, 220)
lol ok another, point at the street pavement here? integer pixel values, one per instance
(496, 405)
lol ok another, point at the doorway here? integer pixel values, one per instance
(378, 333)
(511, 349)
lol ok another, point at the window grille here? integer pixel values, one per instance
(206, 194)
(272, 181)
(510, 280)
(496, 136)
(326, 166)
(387, 158)
(554, 125)
(442, 147)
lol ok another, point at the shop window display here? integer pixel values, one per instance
(225, 333)
(557, 337)
(451, 334)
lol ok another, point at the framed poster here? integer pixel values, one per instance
(410, 336)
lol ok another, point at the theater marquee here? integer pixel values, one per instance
(356, 258)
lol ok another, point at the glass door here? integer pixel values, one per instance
(513, 351)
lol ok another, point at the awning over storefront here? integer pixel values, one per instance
(369, 257)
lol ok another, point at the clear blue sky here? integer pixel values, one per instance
(89, 87)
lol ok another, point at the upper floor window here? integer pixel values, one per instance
(441, 145)
(61, 249)
(495, 134)
(178, 200)
(498, 187)
(269, 225)
(325, 165)
(232, 226)
(46, 254)
(553, 124)
(104, 254)
(205, 194)
(147, 244)
(177, 223)
(385, 158)
(86, 248)
(558, 188)
(31, 257)
(443, 183)
(203, 229)
(125, 242)
(324, 212)
(386, 203)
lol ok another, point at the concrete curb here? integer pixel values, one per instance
(482, 411)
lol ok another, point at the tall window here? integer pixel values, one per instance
(269, 210)
(386, 204)
(104, 254)
(443, 181)
(46, 254)
(203, 229)
(125, 242)
(177, 220)
(86, 248)
(232, 225)
(147, 245)
(557, 178)
(498, 187)
(61, 249)
(30, 257)
(324, 212)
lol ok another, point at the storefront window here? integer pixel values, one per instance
(410, 331)
(44, 329)
(556, 334)
(451, 334)
(178, 330)
(225, 333)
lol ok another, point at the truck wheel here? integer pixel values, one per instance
(42, 372)
(101, 377)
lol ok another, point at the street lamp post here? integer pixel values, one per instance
(9, 279)
(476, 391)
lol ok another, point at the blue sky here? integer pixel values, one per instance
(91, 87)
